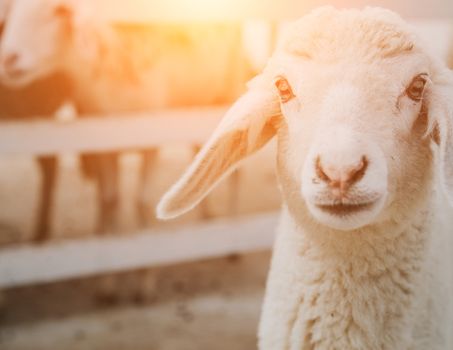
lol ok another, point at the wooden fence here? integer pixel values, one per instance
(21, 265)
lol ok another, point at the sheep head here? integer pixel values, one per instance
(38, 37)
(354, 100)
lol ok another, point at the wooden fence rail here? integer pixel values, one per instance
(106, 133)
(24, 265)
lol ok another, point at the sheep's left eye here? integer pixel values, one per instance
(284, 89)
(417, 87)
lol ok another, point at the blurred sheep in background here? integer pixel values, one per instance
(116, 68)
(120, 68)
(41, 98)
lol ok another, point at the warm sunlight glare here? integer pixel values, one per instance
(187, 10)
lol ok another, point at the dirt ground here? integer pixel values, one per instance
(212, 304)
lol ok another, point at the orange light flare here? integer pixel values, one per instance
(189, 10)
(200, 13)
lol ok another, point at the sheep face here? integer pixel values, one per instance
(35, 38)
(353, 99)
(347, 134)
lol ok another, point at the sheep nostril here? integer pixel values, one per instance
(357, 173)
(320, 172)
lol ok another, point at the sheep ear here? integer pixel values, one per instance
(249, 124)
(441, 116)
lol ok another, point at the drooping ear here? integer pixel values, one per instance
(440, 110)
(249, 124)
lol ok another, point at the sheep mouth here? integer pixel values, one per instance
(14, 74)
(16, 78)
(343, 209)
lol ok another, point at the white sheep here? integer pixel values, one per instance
(41, 98)
(121, 68)
(363, 254)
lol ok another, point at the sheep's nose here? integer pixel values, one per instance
(341, 178)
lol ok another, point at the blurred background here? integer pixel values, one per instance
(102, 106)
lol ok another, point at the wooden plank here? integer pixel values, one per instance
(106, 133)
(24, 265)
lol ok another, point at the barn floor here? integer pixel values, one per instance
(211, 304)
(208, 322)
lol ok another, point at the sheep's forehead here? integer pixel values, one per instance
(390, 74)
(365, 86)
(329, 35)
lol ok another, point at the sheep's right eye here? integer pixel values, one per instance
(284, 89)
(417, 87)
